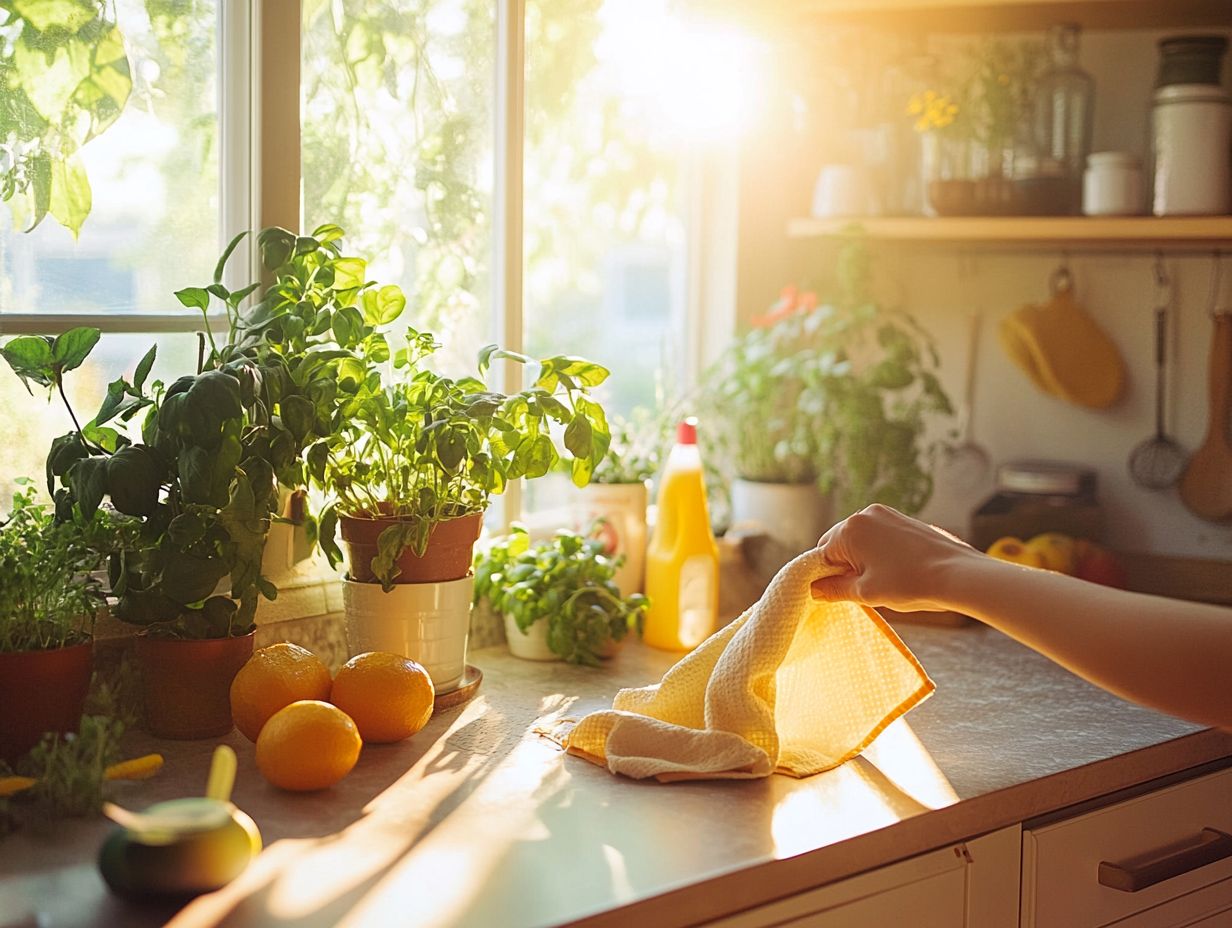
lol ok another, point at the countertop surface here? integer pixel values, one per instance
(478, 820)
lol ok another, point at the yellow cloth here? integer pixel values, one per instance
(792, 686)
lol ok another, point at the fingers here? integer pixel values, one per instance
(834, 589)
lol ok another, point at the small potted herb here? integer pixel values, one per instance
(825, 403)
(410, 467)
(615, 500)
(558, 596)
(49, 596)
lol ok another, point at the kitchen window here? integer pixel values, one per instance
(511, 165)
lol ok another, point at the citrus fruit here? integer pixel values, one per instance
(389, 696)
(307, 745)
(274, 677)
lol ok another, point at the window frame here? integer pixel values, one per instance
(259, 49)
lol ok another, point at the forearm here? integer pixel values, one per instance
(1172, 655)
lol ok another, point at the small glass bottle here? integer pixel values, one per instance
(1064, 102)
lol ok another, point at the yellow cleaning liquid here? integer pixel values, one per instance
(682, 562)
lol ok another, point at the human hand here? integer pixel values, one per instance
(891, 560)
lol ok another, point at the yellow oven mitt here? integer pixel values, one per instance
(1064, 351)
(793, 686)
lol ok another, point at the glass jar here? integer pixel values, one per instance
(1033, 497)
(1112, 185)
(949, 176)
(1064, 102)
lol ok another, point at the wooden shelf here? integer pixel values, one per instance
(1021, 15)
(1190, 233)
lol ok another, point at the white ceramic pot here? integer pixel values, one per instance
(532, 644)
(623, 506)
(794, 514)
(427, 622)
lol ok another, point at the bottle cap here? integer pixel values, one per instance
(686, 432)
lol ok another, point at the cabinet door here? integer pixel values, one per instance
(1161, 859)
(970, 884)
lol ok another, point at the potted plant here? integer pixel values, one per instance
(558, 597)
(820, 409)
(200, 473)
(49, 596)
(615, 500)
(410, 466)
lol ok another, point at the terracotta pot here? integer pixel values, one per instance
(451, 547)
(41, 691)
(186, 683)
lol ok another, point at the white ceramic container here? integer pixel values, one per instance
(1192, 138)
(623, 506)
(532, 644)
(794, 514)
(1112, 184)
(427, 622)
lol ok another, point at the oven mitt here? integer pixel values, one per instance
(1064, 351)
(794, 685)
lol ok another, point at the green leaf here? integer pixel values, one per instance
(88, 481)
(347, 325)
(143, 368)
(30, 358)
(383, 306)
(65, 15)
(222, 261)
(65, 451)
(578, 436)
(194, 297)
(298, 416)
(188, 578)
(70, 349)
(277, 245)
(326, 536)
(69, 199)
(134, 479)
(349, 273)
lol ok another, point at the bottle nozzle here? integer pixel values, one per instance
(686, 432)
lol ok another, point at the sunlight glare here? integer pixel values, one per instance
(691, 76)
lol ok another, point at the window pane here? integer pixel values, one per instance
(611, 130)
(31, 422)
(153, 224)
(397, 149)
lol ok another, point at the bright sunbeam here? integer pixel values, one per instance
(694, 77)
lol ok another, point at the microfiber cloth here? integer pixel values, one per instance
(794, 685)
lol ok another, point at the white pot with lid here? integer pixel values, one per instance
(1192, 148)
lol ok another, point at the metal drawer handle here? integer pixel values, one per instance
(1155, 867)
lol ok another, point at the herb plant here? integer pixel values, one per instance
(200, 472)
(49, 593)
(427, 448)
(840, 394)
(565, 582)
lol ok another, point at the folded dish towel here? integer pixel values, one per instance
(792, 686)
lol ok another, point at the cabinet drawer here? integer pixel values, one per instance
(1163, 849)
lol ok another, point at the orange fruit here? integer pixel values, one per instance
(307, 745)
(274, 677)
(389, 696)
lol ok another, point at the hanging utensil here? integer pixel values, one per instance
(1158, 462)
(1206, 487)
(968, 460)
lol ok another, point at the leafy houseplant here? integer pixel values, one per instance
(837, 394)
(200, 474)
(49, 596)
(561, 588)
(409, 461)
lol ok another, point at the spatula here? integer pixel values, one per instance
(1206, 486)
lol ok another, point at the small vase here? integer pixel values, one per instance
(41, 691)
(451, 546)
(186, 683)
(623, 507)
(949, 182)
(532, 644)
(427, 622)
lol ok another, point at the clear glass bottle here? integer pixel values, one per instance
(1064, 104)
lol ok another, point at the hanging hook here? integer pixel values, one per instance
(1061, 280)
(1163, 283)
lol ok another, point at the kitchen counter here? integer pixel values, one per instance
(478, 820)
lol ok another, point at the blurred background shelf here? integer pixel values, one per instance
(1192, 233)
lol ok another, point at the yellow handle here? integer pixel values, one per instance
(222, 774)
